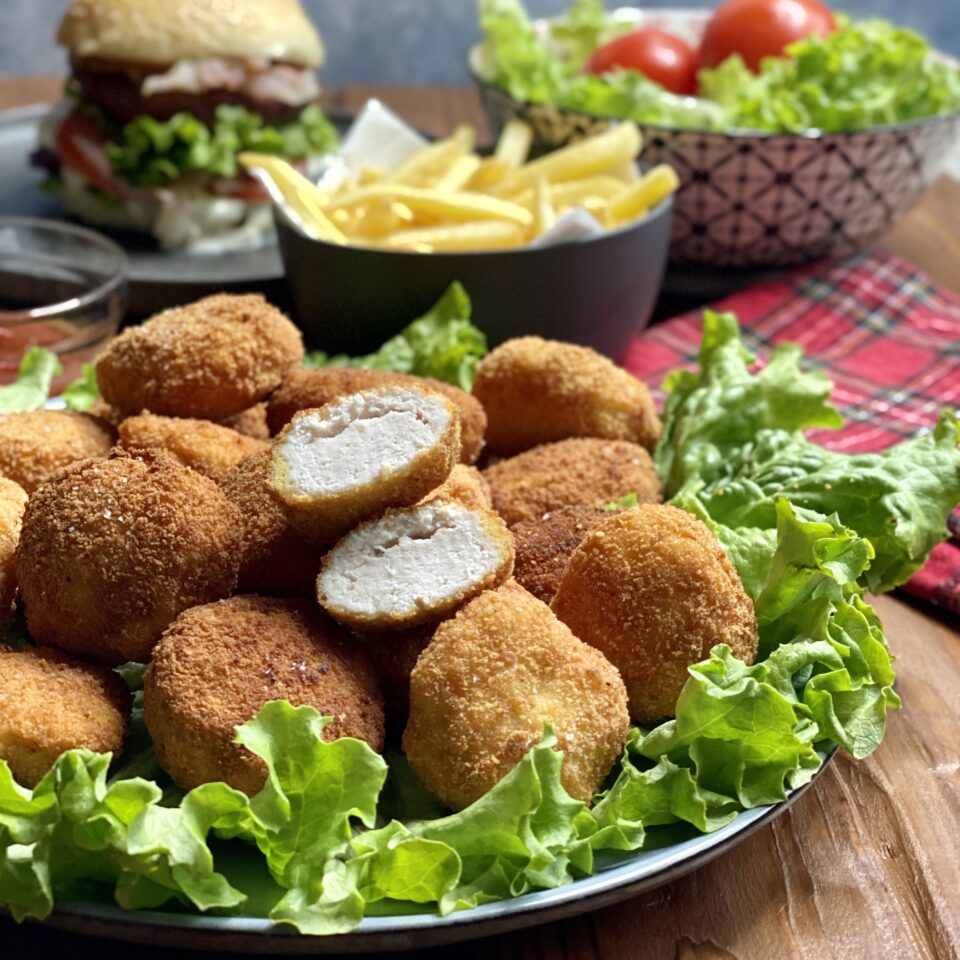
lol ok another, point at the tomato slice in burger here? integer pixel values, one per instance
(80, 146)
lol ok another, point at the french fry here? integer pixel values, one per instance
(647, 192)
(489, 173)
(430, 163)
(453, 206)
(477, 235)
(460, 173)
(302, 196)
(597, 154)
(513, 147)
(544, 215)
(370, 175)
(573, 192)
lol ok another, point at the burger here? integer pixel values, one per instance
(163, 95)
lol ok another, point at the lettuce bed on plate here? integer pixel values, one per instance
(339, 832)
(867, 73)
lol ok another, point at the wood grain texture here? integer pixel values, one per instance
(865, 866)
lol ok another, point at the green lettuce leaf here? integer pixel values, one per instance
(83, 392)
(150, 153)
(442, 344)
(31, 388)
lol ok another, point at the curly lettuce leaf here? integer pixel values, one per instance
(31, 387)
(150, 153)
(442, 344)
(83, 392)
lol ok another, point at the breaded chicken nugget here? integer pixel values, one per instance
(36, 444)
(653, 590)
(112, 550)
(218, 664)
(210, 359)
(394, 654)
(414, 566)
(203, 446)
(274, 558)
(251, 422)
(13, 501)
(50, 703)
(302, 389)
(349, 460)
(490, 679)
(544, 547)
(587, 472)
(465, 485)
(535, 391)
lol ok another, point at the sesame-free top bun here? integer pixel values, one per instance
(165, 31)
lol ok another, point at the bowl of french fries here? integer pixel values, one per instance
(571, 246)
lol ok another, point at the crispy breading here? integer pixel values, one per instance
(302, 389)
(218, 664)
(203, 446)
(338, 465)
(414, 566)
(274, 558)
(251, 422)
(210, 359)
(394, 654)
(490, 679)
(544, 546)
(50, 703)
(112, 550)
(653, 590)
(536, 391)
(466, 485)
(13, 501)
(586, 472)
(36, 444)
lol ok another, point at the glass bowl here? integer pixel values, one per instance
(62, 287)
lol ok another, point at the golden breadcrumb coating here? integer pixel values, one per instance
(490, 679)
(274, 558)
(13, 501)
(50, 703)
(585, 472)
(394, 654)
(544, 547)
(203, 446)
(218, 664)
(251, 422)
(466, 485)
(384, 447)
(100, 408)
(112, 550)
(653, 590)
(414, 566)
(210, 359)
(535, 391)
(302, 389)
(36, 444)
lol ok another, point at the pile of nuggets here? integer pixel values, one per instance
(257, 531)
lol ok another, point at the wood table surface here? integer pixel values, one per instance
(864, 866)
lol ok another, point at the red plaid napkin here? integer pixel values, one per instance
(880, 330)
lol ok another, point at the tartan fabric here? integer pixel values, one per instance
(880, 330)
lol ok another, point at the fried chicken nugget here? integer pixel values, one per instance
(274, 558)
(394, 654)
(302, 389)
(36, 444)
(465, 485)
(536, 391)
(544, 547)
(414, 566)
(210, 359)
(218, 664)
(203, 446)
(584, 471)
(653, 590)
(52, 703)
(112, 550)
(13, 501)
(251, 422)
(490, 679)
(350, 460)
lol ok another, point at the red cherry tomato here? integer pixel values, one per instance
(80, 146)
(761, 28)
(656, 54)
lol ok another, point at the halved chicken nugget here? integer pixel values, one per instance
(414, 566)
(537, 391)
(584, 471)
(50, 703)
(490, 679)
(356, 456)
(208, 448)
(465, 485)
(13, 501)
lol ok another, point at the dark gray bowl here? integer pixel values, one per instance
(596, 292)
